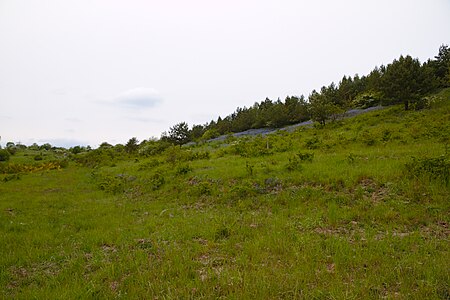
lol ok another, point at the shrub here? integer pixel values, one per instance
(4, 155)
(367, 99)
(110, 183)
(306, 156)
(156, 181)
(242, 191)
(183, 169)
(149, 165)
(255, 147)
(368, 138)
(312, 143)
(433, 168)
(11, 177)
(38, 157)
(204, 188)
(294, 164)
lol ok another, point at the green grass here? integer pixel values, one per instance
(352, 223)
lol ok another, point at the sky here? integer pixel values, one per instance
(83, 72)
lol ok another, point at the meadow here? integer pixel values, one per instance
(356, 209)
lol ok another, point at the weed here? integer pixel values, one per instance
(249, 168)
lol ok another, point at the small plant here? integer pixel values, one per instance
(306, 156)
(223, 232)
(386, 135)
(368, 138)
(294, 164)
(156, 181)
(109, 183)
(183, 169)
(351, 158)
(11, 177)
(249, 167)
(312, 143)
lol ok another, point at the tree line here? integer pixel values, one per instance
(404, 81)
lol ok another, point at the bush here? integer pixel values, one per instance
(156, 181)
(255, 147)
(368, 99)
(434, 168)
(4, 155)
(149, 165)
(183, 169)
(312, 143)
(294, 164)
(307, 156)
(110, 183)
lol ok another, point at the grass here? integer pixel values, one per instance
(247, 223)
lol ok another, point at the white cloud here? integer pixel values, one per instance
(139, 98)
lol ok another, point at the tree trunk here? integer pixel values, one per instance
(406, 102)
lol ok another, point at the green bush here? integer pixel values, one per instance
(149, 165)
(312, 143)
(305, 156)
(183, 169)
(437, 168)
(156, 181)
(294, 164)
(4, 155)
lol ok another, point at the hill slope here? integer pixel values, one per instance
(357, 209)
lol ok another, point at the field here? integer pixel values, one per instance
(357, 209)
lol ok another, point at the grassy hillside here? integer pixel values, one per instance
(358, 209)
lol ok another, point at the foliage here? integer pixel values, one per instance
(132, 145)
(178, 134)
(322, 108)
(294, 164)
(435, 168)
(13, 168)
(98, 157)
(368, 99)
(156, 181)
(252, 147)
(405, 80)
(4, 155)
(183, 169)
(153, 147)
(305, 156)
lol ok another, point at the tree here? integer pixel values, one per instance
(405, 81)
(76, 149)
(45, 146)
(297, 109)
(105, 145)
(132, 145)
(179, 134)
(321, 108)
(196, 132)
(441, 66)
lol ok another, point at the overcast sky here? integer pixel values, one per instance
(85, 72)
